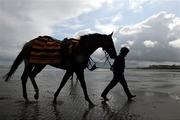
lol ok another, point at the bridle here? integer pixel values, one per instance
(92, 64)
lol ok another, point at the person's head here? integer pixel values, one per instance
(124, 51)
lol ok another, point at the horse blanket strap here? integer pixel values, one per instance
(45, 50)
(70, 45)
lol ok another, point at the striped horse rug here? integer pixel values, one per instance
(46, 50)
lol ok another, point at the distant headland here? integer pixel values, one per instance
(161, 67)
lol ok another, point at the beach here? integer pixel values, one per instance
(158, 96)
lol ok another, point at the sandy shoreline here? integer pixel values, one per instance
(157, 100)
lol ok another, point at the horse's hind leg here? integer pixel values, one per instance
(63, 82)
(24, 78)
(34, 72)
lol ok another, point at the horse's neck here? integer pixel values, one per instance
(89, 48)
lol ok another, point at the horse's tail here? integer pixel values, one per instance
(14, 66)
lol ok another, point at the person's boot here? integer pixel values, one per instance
(104, 97)
(131, 96)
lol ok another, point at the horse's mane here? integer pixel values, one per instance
(85, 39)
(91, 36)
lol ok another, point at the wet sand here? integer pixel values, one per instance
(157, 91)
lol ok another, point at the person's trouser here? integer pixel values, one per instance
(117, 78)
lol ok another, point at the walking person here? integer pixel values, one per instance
(118, 75)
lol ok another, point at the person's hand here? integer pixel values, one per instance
(112, 68)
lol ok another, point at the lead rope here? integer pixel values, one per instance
(107, 60)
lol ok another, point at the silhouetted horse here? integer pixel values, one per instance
(74, 61)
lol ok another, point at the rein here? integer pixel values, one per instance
(92, 64)
(107, 59)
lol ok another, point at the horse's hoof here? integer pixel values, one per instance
(54, 102)
(91, 105)
(104, 97)
(27, 101)
(36, 96)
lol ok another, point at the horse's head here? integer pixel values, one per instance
(108, 45)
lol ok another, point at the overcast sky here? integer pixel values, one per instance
(151, 28)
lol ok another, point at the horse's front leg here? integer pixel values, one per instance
(80, 75)
(63, 82)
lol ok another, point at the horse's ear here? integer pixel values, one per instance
(110, 35)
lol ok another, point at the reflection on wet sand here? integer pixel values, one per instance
(29, 110)
(33, 111)
(108, 113)
(57, 113)
(122, 114)
(152, 102)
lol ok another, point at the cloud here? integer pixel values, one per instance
(135, 29)
(21, 21)
(159, 31)
(137, 5)
(150, 44)
(83, 32)
(105, 28)
(175, 43)
(153, 39)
